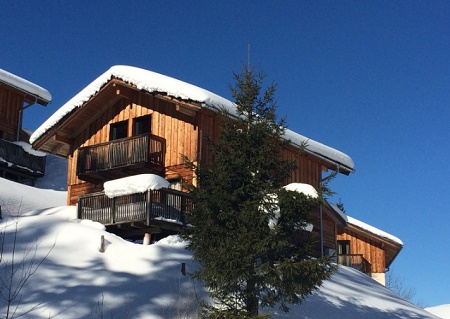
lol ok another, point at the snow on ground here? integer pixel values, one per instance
(131, 280)
(442, 311)
(19, 199)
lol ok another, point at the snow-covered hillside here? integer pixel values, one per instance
(130, 280)
(442, 311)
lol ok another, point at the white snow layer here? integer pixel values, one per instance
(442, 311)
(27, 148)
(373, 230)
(129, 280)
(306, 189)
(25, 85)
(134, 184)
(155, 82)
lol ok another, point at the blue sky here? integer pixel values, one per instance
(370, 78)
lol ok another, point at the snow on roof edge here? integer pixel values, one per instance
(338, 211)
(306, 189)
(373, 230)
(154, 82)
(25, 85)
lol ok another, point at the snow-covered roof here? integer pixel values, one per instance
(155, 82)
(373, 230)
(339, 212)
(42, 95)
(134, 184)
(27, 148)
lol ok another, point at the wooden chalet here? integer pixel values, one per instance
(17, 161)
(131, 121)
(367, 248)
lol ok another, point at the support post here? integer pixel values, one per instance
(146, 241)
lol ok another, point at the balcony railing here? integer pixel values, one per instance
(125, 152)
(356, 261)
(166, 205)
(17, 158)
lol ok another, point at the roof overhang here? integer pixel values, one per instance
(338, 215)
(33, 93)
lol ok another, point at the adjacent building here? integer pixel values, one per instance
(17, 160)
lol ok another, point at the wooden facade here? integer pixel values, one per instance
(11, 103)
(182, 125)
(123, 130)
(375, 252)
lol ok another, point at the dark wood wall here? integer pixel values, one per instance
(11, 102)
(371, 249)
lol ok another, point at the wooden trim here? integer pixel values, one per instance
(63, 139)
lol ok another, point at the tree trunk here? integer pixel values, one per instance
(252, 302)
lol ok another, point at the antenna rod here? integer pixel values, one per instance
(248, 55)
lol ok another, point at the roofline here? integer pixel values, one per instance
(207, 99)
(382, 238)
(41, 95)
(339, 213)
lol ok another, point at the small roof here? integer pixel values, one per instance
(339, 213)
(373, 230)
(41, 95)
(154, 82)
(391, 244)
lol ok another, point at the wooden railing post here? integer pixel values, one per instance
(113, 210)
(79, 207)
(149, 206)
(183, 210)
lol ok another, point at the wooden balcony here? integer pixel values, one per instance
(356, 261)
(138, 154)
(15, 158)
(154, 207)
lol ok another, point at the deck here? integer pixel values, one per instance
(118, 158)
(164, 206)
(16, 158)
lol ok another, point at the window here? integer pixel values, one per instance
(142, 125)
(344, 247)
(118, 130)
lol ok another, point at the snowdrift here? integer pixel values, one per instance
(130, 280)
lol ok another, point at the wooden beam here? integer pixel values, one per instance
(62, 139)
(124, 90)
(186, 110)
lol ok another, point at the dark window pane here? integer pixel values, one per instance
(141, 125)
(118, 130)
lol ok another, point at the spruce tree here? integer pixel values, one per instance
(246, 230)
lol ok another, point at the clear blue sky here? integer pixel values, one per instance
(370, 78)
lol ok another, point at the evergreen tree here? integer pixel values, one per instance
(340, 205)
(247, 231)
